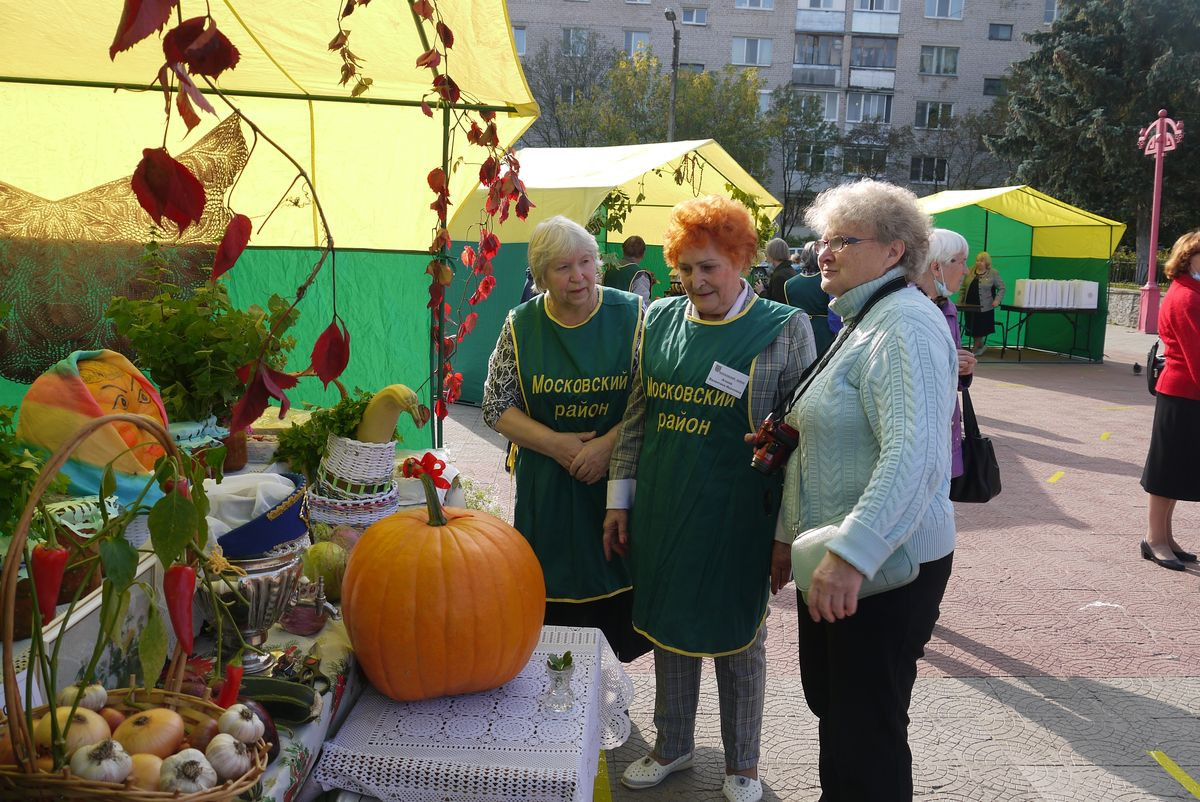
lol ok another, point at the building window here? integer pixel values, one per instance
(635, 41)
(695, 16)
(877, 5)
(764, 101)
(691, 66)
(944, 9)
(1051, 12)
(574, 41)
(927, 170)
(864, 161)
(939, 60)
(933, 115)
(638, 2)
(751, 52)
(1000, 33)
(812, 49)
(996, 87)
(762, 5)
(863, 107)
(812, 159)
(823, 4)
(872, 51)
(519, 39)
(828, 104)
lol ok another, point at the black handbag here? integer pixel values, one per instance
(980, 480)
(1155, 363)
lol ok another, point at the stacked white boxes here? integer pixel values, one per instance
(1044, 293)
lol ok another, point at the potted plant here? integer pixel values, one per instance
(194, 342)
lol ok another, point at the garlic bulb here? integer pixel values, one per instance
(106, 761)
(94, 697)
(186, 772)
(228, 756)
(240, 722)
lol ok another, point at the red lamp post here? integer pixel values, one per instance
(1157, 139)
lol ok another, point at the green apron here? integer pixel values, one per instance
(622, 277)
(703, 520)
(573, 379)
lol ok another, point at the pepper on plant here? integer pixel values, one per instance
(179, 585)
(48, 564)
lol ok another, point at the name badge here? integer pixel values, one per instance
(726, 378)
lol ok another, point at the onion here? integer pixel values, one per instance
(86, 728)
(157, 731)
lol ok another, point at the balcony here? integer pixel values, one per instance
(816, 75)
(818, 21)
(874, 22)
(862, 78)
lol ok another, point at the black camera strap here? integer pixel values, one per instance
(810, 373)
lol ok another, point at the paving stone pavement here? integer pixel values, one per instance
(1061, 657)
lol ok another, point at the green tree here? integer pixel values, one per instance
(1101, 73)
(802, 146)
(566, 86)
(960, 140)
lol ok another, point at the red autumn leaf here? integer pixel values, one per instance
(489, 244)
(523, 206)
(468, 255)
(445, 34)
(437, 179)
(448, 344)
(441, 207)
(490, 139)
(483, 290)
(467, 326)
(339, 41)
(423, 9)
(266, 383)
(430, 58)
(440, 240)
(198, 43)
(186, 113)
(188, 85)
(439, 409)
(442, 273)
(492, 204)
(436, 293)
(446, 88)
(164, 187)
(139, 19)
(237, 234)
(164, 81)
(504, 210)
(349, 9)
(488, 171)
(446, 311)
(425, 109)
(331, 352)
(487, 115)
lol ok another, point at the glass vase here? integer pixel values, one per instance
(559, 698)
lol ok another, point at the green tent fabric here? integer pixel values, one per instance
(1031, 235)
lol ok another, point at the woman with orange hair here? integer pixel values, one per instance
(698, 533)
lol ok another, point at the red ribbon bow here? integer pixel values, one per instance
(429, 465)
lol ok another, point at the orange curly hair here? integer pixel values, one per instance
(725, 223)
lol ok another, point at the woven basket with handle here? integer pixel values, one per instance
(26, 780)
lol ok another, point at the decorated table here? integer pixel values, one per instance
(496, 745)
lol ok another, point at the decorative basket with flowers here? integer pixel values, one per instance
(136, 743)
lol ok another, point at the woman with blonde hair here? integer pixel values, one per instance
(985, 290)
(698, 530)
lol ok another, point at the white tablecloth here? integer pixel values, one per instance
(498, 745)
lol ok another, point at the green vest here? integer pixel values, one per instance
(622, 277)
(573, 379)
(805, 293)
(703, 520)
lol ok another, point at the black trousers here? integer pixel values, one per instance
(858, 676)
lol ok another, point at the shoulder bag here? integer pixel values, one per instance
(980, 480)
(1155, 362)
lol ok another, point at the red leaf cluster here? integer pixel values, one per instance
(198, 43)
(437, 293)
(487, 136)
(446, 88)
(467, 326)
(430, 58)
(423, 9)
(264, 383)
(489, 245)
(486, 285)
(440, 240)
(440, 409)
(453, 387)
(331, 351)
(468, 256)
(139, 19)
(165, 188)
(445, 34)
(441, 272)
(237, 236)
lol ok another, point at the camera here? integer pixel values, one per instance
(774, 442)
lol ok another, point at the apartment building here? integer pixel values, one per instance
(881, 63)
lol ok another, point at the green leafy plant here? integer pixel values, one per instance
(193, 343)
(559, 662)
(19, 470)
(303, 445)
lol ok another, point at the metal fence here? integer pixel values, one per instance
(1123, 268)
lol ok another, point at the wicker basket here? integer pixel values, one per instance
(353, 470)
(358, 513)
(25, 780)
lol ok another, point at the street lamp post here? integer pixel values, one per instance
(669, 13)
(1157, 139)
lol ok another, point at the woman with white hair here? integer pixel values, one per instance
(869, 480)
(557, 386)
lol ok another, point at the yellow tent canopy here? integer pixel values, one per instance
(574, 182)
(65, 130)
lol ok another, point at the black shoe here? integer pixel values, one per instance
(1184, 556)
(1148, 554)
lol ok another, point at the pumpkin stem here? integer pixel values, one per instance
(437, 516)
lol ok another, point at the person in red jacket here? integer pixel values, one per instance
(1170, 472)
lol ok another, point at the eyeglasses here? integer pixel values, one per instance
(838, 244)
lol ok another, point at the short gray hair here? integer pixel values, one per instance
(889, 210)
(777, 250)
(554, 239)
(944, 245)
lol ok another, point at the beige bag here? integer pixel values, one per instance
(808, 549)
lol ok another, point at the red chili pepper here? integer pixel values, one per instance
(49, 565)
(233, 683)
(179, 585)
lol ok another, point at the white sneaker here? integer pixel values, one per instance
(741, 789)
(648, 772)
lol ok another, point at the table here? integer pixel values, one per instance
(496, 745)
(1026, 312)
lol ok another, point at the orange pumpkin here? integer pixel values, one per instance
(442, 602)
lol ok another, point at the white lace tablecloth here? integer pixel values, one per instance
(482, 747)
